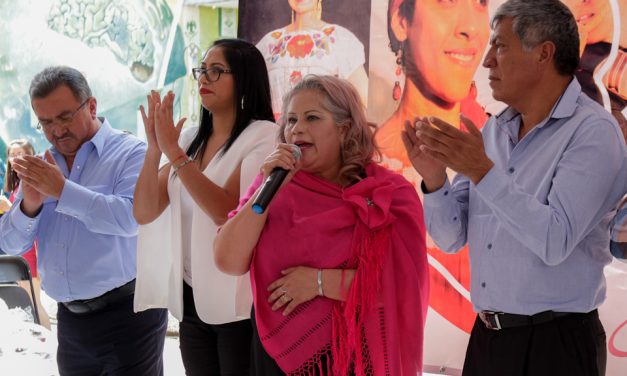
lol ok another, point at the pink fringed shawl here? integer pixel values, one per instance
(375, 226)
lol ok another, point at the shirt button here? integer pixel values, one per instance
(454, 218)
(445, 193)
(511, 170)
(489, 245)
(483, 284)
(78, 167)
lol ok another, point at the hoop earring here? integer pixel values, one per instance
(242, 103)
(319, 9)
(292, 16)
(396, 91)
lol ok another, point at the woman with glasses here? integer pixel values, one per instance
(181, 203)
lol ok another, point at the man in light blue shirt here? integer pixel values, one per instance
(77, 202)
(533, 199)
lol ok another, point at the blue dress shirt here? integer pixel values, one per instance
(537, 224)
(618, 240)
(87, 238)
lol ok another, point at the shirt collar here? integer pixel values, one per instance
(101, 135)
(563, 108)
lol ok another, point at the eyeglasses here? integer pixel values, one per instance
(64, 119)
(211, 74)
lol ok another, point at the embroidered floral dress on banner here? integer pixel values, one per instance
(290, 56)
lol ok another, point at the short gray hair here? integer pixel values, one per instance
(49, 79)
(538, 21)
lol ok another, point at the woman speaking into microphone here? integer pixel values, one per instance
(337, 261)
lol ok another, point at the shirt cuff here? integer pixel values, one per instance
(22, 222)
(75, 200)
(437, 198)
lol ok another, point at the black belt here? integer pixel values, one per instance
(98, 303)
(500, 320)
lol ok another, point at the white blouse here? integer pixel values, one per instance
(219, 298)
(290, 56)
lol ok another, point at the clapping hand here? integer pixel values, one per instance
(439, 141)
(161, 133)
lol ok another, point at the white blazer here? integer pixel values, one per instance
(219, 298)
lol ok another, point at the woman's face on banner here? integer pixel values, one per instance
(302, 6)
(590, 15)
(446, 40)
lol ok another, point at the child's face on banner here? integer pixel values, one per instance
(446, 40)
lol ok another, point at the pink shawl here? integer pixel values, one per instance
(375, 226)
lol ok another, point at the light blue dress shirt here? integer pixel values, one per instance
(86, 239)
(537, 224)
(618, 240)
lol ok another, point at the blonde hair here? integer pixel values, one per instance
(343, 102)
(11, 180)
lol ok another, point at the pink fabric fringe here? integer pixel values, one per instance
(362, 296)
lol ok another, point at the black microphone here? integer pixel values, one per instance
(272, 184)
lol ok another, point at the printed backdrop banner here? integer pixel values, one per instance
(422, 58)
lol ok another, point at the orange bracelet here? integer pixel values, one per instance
(177, 158)
(182, 164)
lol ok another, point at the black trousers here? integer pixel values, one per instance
(263, 364)
(206, 349)
(573, 345)
(114, 341)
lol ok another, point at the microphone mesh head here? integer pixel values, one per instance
(296, 151)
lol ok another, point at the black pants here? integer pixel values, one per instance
(263, 364)
(114, 341)
(213, 349)
(570, 346)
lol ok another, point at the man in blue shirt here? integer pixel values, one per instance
(77, 203)
(533, 198)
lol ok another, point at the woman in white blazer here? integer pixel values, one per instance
(181, 203)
